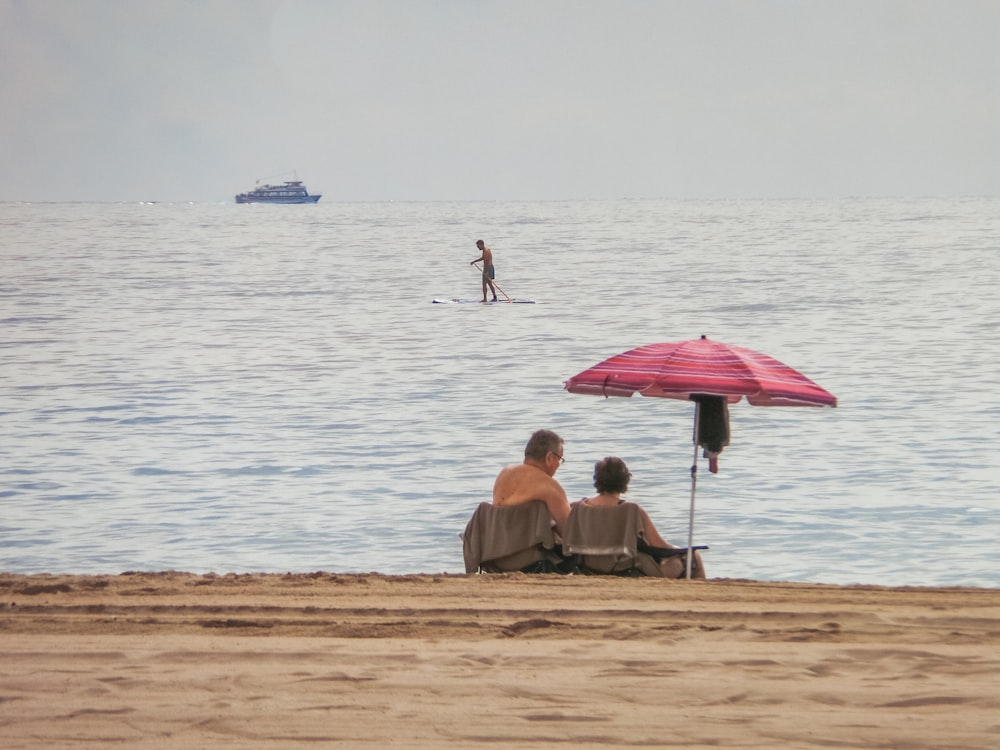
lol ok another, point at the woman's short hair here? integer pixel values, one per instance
(611, 475)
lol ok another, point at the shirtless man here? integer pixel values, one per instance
(534, 479)
(488, 272)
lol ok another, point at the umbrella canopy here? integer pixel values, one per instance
(690, 370)
(678, 369)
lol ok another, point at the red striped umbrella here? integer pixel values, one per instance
(694, 370)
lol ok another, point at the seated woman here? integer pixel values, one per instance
(611, 478)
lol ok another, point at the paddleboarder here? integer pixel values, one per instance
(488, 272)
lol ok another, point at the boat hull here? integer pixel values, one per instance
(243, 198)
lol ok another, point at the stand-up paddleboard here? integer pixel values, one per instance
(480, 302)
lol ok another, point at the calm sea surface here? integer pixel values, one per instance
(213, 387)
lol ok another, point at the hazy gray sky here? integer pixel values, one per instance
(499, 99)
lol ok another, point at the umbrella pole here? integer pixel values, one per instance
(694, 484)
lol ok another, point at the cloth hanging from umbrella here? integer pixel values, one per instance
(710, 373)
(713, 427)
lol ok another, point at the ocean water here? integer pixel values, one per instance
(213, 387)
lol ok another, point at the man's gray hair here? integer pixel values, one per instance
(542, 442)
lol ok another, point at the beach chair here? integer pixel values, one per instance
(608, 541)
(509, 539)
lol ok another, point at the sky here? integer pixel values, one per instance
(370, 100)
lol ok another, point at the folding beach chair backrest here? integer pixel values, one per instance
(606, 541)
(509, 538)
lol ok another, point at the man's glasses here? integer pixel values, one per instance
(561, 459)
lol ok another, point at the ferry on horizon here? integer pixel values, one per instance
(293, 191)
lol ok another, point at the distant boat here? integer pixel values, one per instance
(293, 191)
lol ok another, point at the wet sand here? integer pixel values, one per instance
(176, 660)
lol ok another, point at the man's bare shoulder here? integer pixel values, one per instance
(521, 483)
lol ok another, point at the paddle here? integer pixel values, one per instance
(495, 284)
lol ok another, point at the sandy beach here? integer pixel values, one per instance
(177, 660)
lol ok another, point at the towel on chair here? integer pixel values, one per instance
(499, 533)
(606, 540)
